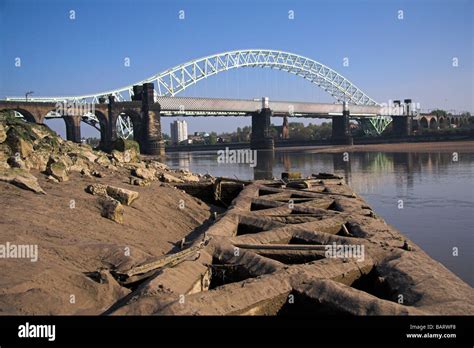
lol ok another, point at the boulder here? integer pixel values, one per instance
(158, 165)
(57, 169)
(22, 179)
(112, 209)
(144, 173)
(97, 189)
(124, 196)
(123, 145)
(19, 142)
(103, 160)
(139, 182)
(190, 177)
(165, 177)
(41, 131)
(79, 163)
(126, 156)
(37, 160)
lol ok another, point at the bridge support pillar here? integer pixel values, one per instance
(402, 124)
(109, 136)
(73, 128)
(340, 128)
(261, 137)
(152, 141)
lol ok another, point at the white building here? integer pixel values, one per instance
(179, 131)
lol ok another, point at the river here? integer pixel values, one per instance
(427, 195)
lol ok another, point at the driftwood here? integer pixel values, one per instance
(165, 261)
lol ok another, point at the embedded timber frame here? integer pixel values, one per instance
(267, 254)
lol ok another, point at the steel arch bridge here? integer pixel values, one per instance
(177, 79)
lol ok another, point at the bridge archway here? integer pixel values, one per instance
(130, 116)
(442, 122)
(433, 124)
(424, 123)
(26, 115)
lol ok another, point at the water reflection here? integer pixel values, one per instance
(264, 168)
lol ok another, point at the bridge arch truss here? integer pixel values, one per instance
(177, 79)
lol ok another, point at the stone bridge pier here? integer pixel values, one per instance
(145, 116)
(402, 123)
(340, 128)
(73, 128)
(261, 138)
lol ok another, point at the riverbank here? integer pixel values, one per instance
(449, 146)
(295, 144)
(124, 234)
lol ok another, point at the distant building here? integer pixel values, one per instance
(179, 131)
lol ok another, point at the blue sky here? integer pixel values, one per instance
(388, 58)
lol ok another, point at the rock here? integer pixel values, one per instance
(123, 145)
(112, 209)
(124, 196)
(157, 165)
(16, 162)
(125, 157)
(52, 178)
(143, 173)
(41, 131)
(139, 182)
(79, 164)
(190, 177)
(165, 177)
(103, 160)
(97, 189)
(97, 174)
(19, 142)
(86, 172)
(3, 133)
(37, 160)
(22, 179)
(57, 169)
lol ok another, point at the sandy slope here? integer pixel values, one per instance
(78, 240)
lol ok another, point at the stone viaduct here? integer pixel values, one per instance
(142, 110)
(145, 115)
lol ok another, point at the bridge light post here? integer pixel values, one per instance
(27, 94)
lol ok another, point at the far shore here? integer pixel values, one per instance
(448, 146)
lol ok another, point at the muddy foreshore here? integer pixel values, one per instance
(122, 234)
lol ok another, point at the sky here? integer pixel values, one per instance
(391, 54)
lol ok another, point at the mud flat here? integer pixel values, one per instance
(267, 255)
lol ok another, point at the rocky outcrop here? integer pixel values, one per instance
(32, 147)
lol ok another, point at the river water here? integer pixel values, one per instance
(437, 191)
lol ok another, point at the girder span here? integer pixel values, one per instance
(175, 80)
